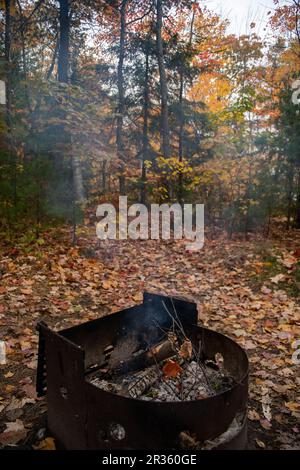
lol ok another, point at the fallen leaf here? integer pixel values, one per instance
(30, 391)
(2, 308)
(171, 369)
(25, 345)
(292, 406)
(289, 261)
(253, 415)
(265, 424)
(32, 364)
(238, 333)
(19, 403)
(250, 345)
(260, 444)
(8, 375)
(13, 433)
(186, 350)
(46, 444)
(278, 278)
(265, 290)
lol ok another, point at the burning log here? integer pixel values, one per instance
(162, 351)
(154, 355)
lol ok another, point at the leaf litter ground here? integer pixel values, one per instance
(248, 290)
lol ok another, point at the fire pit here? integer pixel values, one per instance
(146, 377)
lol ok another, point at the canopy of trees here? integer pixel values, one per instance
(152, 99)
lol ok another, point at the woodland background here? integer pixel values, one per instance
(149, 99)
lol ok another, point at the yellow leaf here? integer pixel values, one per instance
(292, 406)
(46, 444)
(8, 375)
(260, 444)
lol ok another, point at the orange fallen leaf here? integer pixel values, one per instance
(108, 284)
(171, 369)
(26, 291)
(289, 261)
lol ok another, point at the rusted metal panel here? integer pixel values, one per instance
(66, 397)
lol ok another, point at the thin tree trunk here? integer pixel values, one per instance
(77, 177)
(63, 77)
(103, 172)
(64, 41)
(289, 199)
(145, 127)
(297, 217)
(54, 57)
(8, 61)
(8, 93)
(121, 97)
(181, 131)
(181, 114)
(181, 111)
(163, 82)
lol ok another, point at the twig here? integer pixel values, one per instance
(179, 325)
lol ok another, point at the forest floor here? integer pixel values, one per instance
(248, 290)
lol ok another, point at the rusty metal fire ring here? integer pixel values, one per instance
(82, 416)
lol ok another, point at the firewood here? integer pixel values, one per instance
(143, 381)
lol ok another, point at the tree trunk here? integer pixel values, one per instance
(145, 127)
(181, 132)
(121, 98)
(103, 175)
(289, 198)
(297, 217)
(181, 114)
(53, 61)
(8, 61)
(63, 77)
(163, 82)
(64, 41)
(181, 110)
(8, 93)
